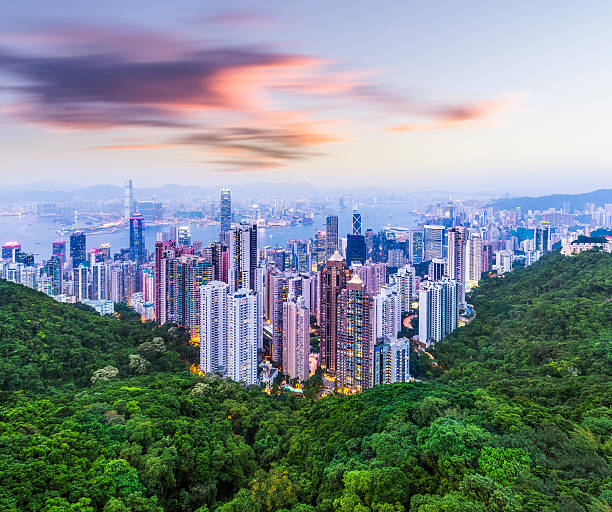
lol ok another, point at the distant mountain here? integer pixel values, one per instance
(576, 201)
(65, 192)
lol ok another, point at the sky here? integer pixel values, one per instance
(467, 96)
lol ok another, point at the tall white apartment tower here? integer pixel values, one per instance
(242, 336)
(473, 257)
(296, 338)
(214, 327)
(438, 310)
(404, 279)
(387, 314)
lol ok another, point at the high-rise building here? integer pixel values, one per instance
(334, 276)
(183, 235)
(53, 270)
(137, 243)
(473, 257)
(214, 328)
(373, 275)
(80, 282)
(433, 242)
(355, 249)
(318, 250)
(10, 251)
(128, 201)
(243, 257)
(355, 346)
(59, 250)
(77, 248)
(242, 336)
(225, 214)
(405, 279)
(416, 246)
(331, 236)
(296, 338)
(357, 227)
(105, 251)
(301, 255)
(437, 269)
(438, 310)
(391, 361)
(487, 256)
(386, 313)
(456, 267)
(99, 283)
(541, 238)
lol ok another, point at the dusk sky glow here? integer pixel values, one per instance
(503, 96)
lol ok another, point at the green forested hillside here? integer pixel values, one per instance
(46, 345)
(508, 436)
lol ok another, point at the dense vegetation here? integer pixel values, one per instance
(516, 417)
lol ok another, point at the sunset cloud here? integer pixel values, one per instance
(243, 104)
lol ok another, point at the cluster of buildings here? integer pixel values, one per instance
(244, 304)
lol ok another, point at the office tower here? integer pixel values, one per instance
(355, 349)
(278, 258)
(214, 327)
(386, 313)
(296, 338)
(10, 251)
(416, 246)
(183, 235)
(59, 251)
(318, 250)
(98, 282)
(391, 361)
(334, 276)
(242, 256)
(433, 242)
(456, 268)
(225, 214)
(355, 249)
(369, 240)
(331, 236)
(80, 282)
(242, 336)
(53, 270)
(219, 257)
(438, 310)
(128, 201)
(77, 248)
(301, 255)
(373, 275)
(437, 269)
(356, 223)
(404, 279)
(473, 257)
(137, 244)
(487, 256)
(541, 238)
(105, 251)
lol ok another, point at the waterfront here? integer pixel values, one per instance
(36, 234)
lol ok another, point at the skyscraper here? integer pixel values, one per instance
(334, 276)
(53, 270)
(355, 346)
(331, 236)
(404, 279)
(296, 338)
(128, 201)
(416, 246)
(541, 238)
(438, 310)
(77, 248)
(473, 256)
(391, 360)
(373, 275)
(183, 235)
(357, 227)
(225, 213)
(242, 336)
(59, 250)
(214, 328)
(386, 313)
(137, 244)
(355, 249)
(455, 267)
(433, 242)
(11, 250)
(437, 269)
(243, 257)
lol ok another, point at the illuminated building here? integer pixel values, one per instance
(433, 242)
(242, 336)
(296, 338)
(438, 309)
(214, 327)
(137, 244)
(455, 268)
(225, 217)
(77, 248)
(331, 236)
(391, 360)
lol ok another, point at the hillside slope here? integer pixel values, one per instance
(505, 435)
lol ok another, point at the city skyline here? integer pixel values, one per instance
(233, 93)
